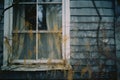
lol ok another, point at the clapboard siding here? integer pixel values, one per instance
(85, 11)
(90, 33)
(88, 19)
(78, 41)
(83, 32)
(117, 30)
(90, 26)
(93, 48)
(88, 3)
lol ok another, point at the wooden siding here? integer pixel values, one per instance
(117, 30)
(83, 28)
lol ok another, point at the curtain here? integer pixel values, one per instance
(50, 43)
(23, 43)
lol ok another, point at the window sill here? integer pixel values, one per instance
(36, 67)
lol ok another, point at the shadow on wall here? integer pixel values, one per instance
(117, 35)
(117, 31)
(1, 32)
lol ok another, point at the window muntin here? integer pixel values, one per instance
(37, 31)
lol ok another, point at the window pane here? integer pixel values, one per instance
(49, 0)
(24, 0)
(49, 17)
(24, 46)
(50, 46)
(24, 17)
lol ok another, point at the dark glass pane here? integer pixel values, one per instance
(49, 0)
(24, 46)
(24, 0)
(30, 15)
(49, 17)
(24, 17)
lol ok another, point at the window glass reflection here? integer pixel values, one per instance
(49, 17)
(42, 17)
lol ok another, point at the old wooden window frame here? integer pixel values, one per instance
(8, 20)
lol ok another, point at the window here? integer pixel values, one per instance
(37, 31)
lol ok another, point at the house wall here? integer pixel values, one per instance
(83, 42)
(117, 30)
(84, 24)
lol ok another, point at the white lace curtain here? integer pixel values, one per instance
(49, 44)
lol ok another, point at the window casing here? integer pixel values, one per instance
(37, 32)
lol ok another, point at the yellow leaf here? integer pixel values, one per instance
(70, 74)
(59, 35)
(90, 73)
(49, 61)
(27, 23)
(60, 29)
(9, 48)
(35, 49)
(15, 36)
(83, 71)
(31, 34)
(55, 28)
(24, 60)
(29, 53)
(39, 36)
(65, 38)
(86, 69)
